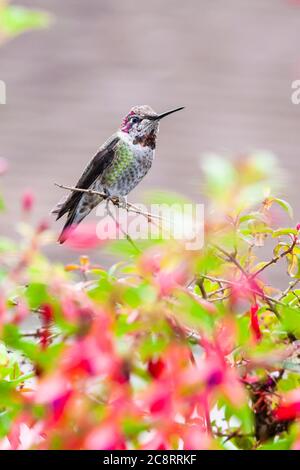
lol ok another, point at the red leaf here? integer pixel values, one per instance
(255, 323)
(156, 368)
(290, 407)
(287, 411)
(46, 313)
(59, 405)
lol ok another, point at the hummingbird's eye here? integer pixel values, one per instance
(135, 119)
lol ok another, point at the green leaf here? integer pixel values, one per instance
(165, 197)
(4, 357)
(283, 443)
(6, 419)
(244, 332)
(258, 216)
(125, 249)
(293, 265)
(219, 173)
(7, 245)
(291, 320)
(280, 248)
(102, 291)
(243, 414)
(253, 230)
(131, 427)
(15, 19)
(191, 311)
(123, 327)
(153, 345)
(285, 205)
(2, 205)
(139, 296)
(284, 231)
(244, 443)
(290, 380)
(37, 294)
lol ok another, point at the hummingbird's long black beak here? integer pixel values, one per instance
(160, 116)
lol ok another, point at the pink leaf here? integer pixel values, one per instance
(51, 388)
(3, 166)
(28, 199)
(105, 437)
(83, 236)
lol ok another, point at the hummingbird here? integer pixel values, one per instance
(120, 164)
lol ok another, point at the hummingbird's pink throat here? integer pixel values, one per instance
(126, 123)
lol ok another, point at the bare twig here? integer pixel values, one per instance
(232, 434)
(126, 234)
(276, 258)
(289, 289)
(114, 199)
(231, 258)
(200, 284)
(234, 284)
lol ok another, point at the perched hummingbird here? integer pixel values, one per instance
(122, 161)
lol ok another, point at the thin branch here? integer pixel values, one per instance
(289, 289)
(15, 303)
(234, 284)
(231, 258)
(232, 434)
(200, 284)
(220, 299)
(276, 258)
(114, 199)
(218, 291)
(119, 226)
(31, 334)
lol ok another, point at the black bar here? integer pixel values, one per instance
(137, 459)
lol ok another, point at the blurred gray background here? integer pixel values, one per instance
(230, 63)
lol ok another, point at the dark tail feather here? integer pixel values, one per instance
(69, 225)
(75, 215)
(74, 218)
(60, 209)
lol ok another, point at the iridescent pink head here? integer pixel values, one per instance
(142, 122)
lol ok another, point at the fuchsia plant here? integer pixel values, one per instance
(169, 349)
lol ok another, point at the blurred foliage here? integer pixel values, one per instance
(15, 20)
(169, 348)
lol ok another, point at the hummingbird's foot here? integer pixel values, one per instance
(122, 202)
(107, 193)
(108, 198)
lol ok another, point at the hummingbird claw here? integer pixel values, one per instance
(122, 202)
(107, 193)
